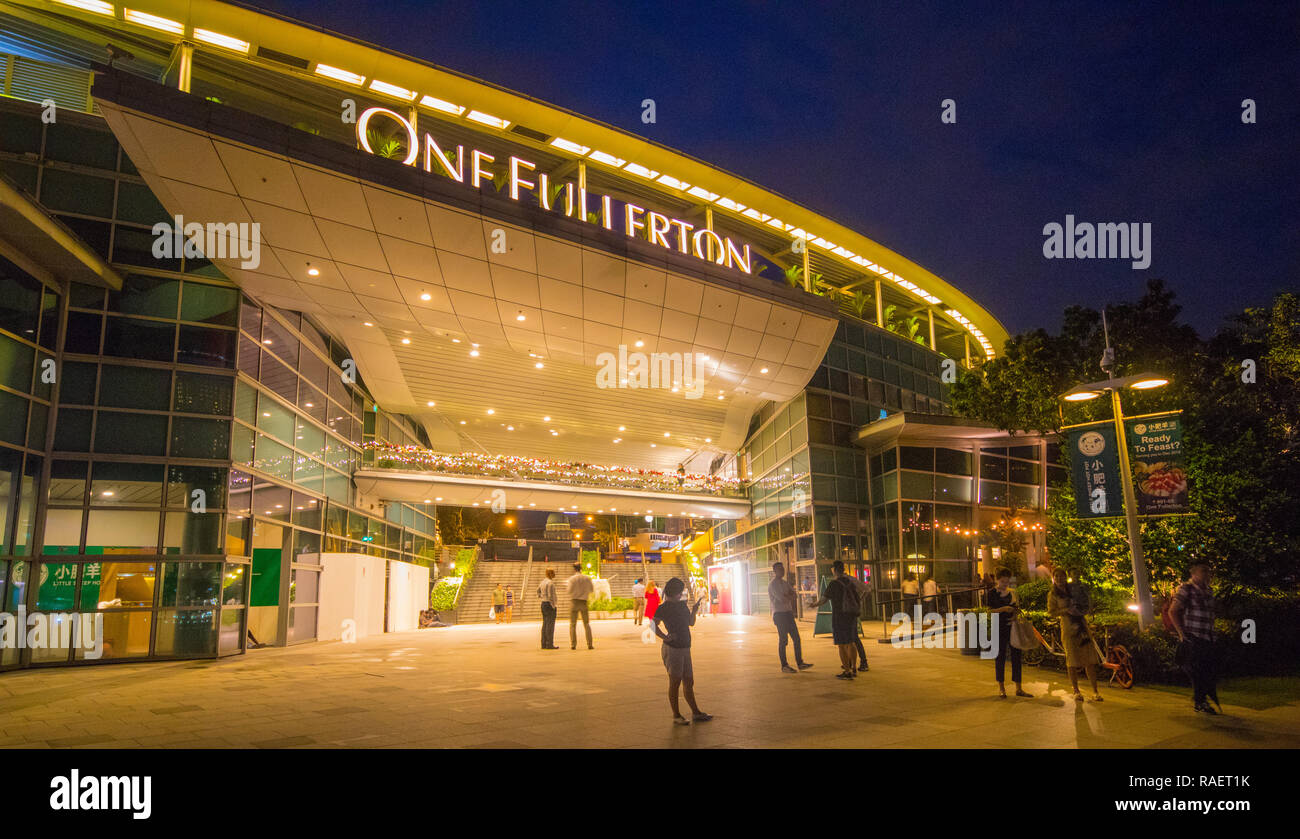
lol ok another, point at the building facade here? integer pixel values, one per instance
(228, 310)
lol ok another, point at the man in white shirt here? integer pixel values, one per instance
(638, 601)
(546, 596)
(580, 588)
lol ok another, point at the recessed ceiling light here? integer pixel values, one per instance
(546, 419)
(462, 422)
(406, 340)
(368, 323)
(539, 365)
(520, 316)
(313, 272)
(491, 411)
(618, 439)
(652, 445)
(431, 403)
(455, 340)
(510, 428)
(666, 434)
(108, 493)
(640, 343)
(708, 439)
(426, 296)
(622, 428)
(439, 498)
(266, 341)
(427, 501)
(473, 353)
(764, 370)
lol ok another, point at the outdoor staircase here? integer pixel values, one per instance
(476, 601)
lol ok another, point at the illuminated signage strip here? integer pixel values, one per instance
(478, 167)
(632, 223)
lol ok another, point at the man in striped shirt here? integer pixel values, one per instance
(1193, 618)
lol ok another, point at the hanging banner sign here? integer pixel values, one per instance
(1094, 462)
(1159, 473)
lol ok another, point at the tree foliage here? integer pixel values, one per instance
(1241, 438)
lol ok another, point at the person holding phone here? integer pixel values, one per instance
(676, 621)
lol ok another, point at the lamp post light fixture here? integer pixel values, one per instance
(1092, 390)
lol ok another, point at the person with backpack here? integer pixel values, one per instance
(842, 594)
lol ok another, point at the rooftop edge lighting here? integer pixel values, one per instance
(570, 146)
(229, 42)
(442, 105)
(638, 169)
(154, 22)
(392, 90)
(339, 75)
(488, 119)
(608, 159)
(96, 6)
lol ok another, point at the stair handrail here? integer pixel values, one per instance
(528, 569)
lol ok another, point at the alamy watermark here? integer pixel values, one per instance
(1084, 240)
(214, 240)
(954, 630)
(671, 371)
(53, 631)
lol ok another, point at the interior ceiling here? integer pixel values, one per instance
(379, 253)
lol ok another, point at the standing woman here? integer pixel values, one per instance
(651, 600)
(1004, 603)
(510, 604)
(1069, 604)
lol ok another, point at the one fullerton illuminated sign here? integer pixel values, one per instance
(567, 197)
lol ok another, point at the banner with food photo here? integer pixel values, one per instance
(1159, 473)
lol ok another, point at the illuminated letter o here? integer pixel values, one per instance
(413, 144)
(717, 241)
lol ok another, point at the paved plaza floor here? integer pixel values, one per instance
(490, 686)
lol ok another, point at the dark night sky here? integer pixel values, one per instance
(1114, 113)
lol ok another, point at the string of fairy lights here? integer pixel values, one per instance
(389, 455)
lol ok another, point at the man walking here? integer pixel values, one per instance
(780, 594)
(580, 588)
(638, 601)
(499, 603)
(845, 608)
(546, 595)
(1193, 617)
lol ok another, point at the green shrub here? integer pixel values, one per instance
(1033, 594)
(443, 598)
(613, 604)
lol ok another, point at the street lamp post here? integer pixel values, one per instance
(1145, 381)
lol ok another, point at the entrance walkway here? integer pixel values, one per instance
(490, 686)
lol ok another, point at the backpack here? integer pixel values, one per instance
(850, 600)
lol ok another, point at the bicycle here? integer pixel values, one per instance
(1115, 658)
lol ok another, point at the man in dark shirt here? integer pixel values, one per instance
(1193, 618)
(843, 597)
(677, 620)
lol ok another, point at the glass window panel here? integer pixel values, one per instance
(78, 385)
(205, 303)
(136, 203)
(186, 633)
(237, 528)
(952, 462)
(72, 432)
(184, 481)
(13, 418)
(130, 433)
(67, 484)
(280, 379)
(1022, 472)
(197, 393)
(126, 635)
(889, 487)
(131, 338)
(306, 545)
(993, 493)
(122, 531)
(993, 468)
(952, 489)
(17, 362)
(83, 333)
(191, 584)
(126, 484)
(912, 457)
(312, 402)
(207, 347)
(279, 340)
(1024, 497)
(234, 590)
(75, 192)
(231, 631)
(135, 387)
(203, 438)
(194, 533)
(145, 295)
(306, 511)
(241, 445)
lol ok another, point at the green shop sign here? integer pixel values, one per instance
(1159, 473)
(1094, 460)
